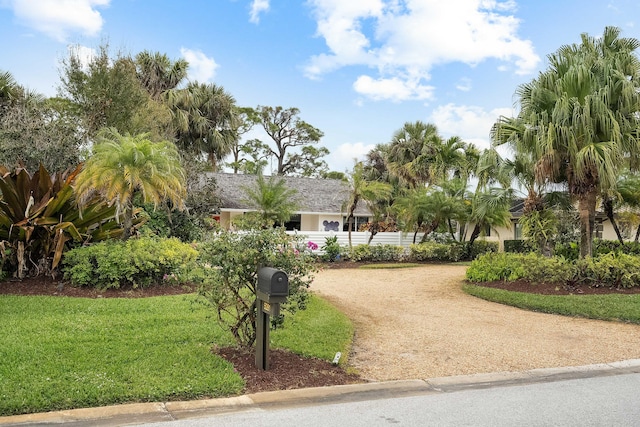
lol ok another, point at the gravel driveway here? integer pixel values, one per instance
(416, 323)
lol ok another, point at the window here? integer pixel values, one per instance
(358, 221)
(517, 231)
(293, 223)
(487, 230)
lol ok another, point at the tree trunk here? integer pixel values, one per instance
(587, 211)
(608, 208)
(474, 234)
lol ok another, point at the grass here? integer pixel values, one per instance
(326, 331)
(618, 307)
(60, 353)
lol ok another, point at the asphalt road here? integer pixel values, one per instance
(596, 401)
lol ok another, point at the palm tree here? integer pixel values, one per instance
(10, 91)
(158, 74)
(426, 209)
(274, 200)
(412, 153)
(205, 118)
(360, 189)
(579, 120)
(122, 166)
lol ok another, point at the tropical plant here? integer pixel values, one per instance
(274, 201)
(205, 118)
(579, 120)
(412, 153)
(158, 74)
(39, 216)
(360, 189)
(122, 166)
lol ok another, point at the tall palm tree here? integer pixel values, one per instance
(158, 74)
(412, 153)
(362, 190)
(122, 166)
(205, 118)
(10, 91)
(579, 120)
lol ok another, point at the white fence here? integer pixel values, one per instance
(360, 237)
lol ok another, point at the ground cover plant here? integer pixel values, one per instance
(82, 352)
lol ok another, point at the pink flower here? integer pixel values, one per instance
(312, 246)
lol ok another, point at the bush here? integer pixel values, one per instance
(331, 249)
(612, 270)
(136, 262)
(532, 267)
(233, 260)
(479, 247)
(432, 251)
(517, 246)
(377, 253)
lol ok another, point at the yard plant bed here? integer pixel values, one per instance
(556, 288)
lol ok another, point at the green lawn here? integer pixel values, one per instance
(59, 353)
(605, 307)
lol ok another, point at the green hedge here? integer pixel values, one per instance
(433, 251)
(136, 262)
(611, 270)
(377, 253)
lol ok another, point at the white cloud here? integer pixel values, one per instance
(470, 123)
(201, 67)
(344, 156)
(404, 40)
(257, 7)
(395, 89)
(83, 53)
(58, 19)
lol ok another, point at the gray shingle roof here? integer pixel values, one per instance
(315, 195)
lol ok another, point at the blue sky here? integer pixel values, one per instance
(357, 70)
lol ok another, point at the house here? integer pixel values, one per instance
(602, 227)
(321, 202)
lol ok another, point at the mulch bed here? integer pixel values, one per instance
(557, 288)
(286, 370)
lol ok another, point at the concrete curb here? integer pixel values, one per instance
(137, 413)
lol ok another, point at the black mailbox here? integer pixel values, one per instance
(273, 283)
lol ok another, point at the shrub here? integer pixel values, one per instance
(377, 253)
(136, 262)
(432, 251)
(611, 270)
(479, 247)
(234, 259)
(496, 266)
(517, 246)
(331, 249)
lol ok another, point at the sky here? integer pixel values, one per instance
(358, 70)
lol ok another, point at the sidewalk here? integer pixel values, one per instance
(138, 413)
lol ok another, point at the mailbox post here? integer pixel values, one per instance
(273, 289)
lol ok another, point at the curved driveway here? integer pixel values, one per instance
(414, 323)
